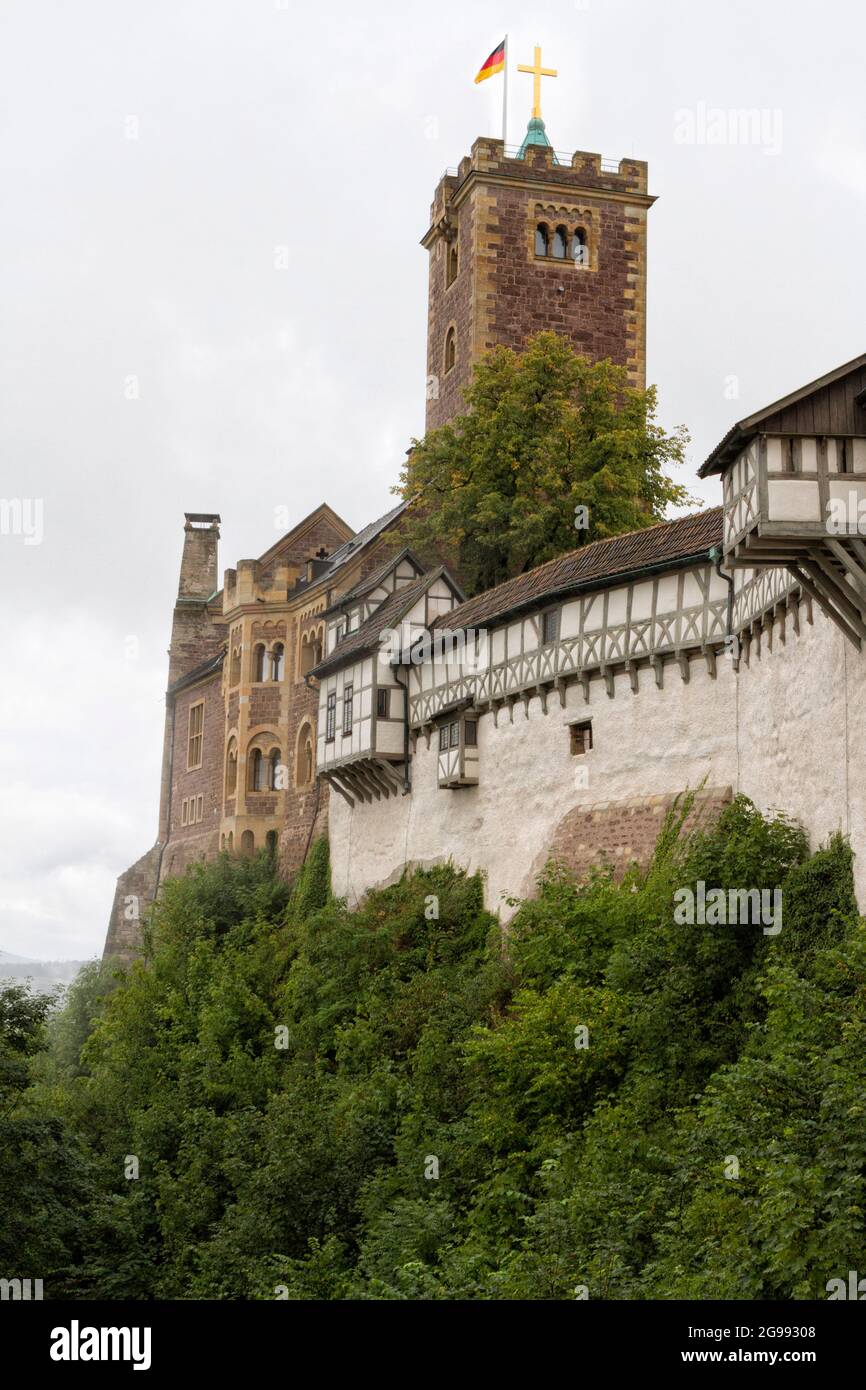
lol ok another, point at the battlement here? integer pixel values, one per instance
(253, 582)
(536, 164)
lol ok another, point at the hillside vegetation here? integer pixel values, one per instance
(393, 1104)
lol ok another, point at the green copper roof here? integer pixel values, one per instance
(535, 135)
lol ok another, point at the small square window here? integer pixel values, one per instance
(581, 737)
(550, 625)
(382, 703)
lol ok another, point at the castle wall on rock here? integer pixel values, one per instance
(775, 730)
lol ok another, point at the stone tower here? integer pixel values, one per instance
(531, 241)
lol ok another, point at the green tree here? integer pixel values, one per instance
(545, 432)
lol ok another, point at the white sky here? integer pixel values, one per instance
(324, 129)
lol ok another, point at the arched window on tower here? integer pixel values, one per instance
(259, 662)
(256, 782)
(541, 239)
(235, 672)
(232, 769)
(450, 349)
(451, 264)
(248, 842)
(276, 779)
(560, 244)
(580, 247)
(278, 661)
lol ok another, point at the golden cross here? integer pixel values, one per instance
(537, 73)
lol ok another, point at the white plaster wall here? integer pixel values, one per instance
(800, 717)
(786, 731)
(648, 743)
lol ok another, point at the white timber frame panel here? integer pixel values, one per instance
(640, 623)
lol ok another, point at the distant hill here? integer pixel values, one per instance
(44, 974)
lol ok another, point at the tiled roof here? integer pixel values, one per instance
(364, 586)
(366, 534)
(594, 565)
(388, 614)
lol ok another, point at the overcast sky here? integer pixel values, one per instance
(155, 360)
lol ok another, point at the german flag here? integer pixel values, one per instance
(494, 64)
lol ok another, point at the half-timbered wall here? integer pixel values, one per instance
(629, 625)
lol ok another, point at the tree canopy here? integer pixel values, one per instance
(552, 452)
(382, 1104)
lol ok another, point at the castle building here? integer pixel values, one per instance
(341, 683)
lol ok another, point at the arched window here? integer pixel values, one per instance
(278, 661)
(304, 756)
(541, 239)
(450, 349)
(248, 842)
(232, 769)
(256, 782)
(259, 662)
(451, 264)
(276, 780)
(235, 672)
(560, 243)
(580, 247)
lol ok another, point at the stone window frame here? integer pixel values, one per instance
(450, 341)
(452, 258)
(309, 639)
(306, 735)
(574, 220)
(195, 737)
(231, 788)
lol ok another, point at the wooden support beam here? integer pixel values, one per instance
(824, 604)
(659, 669)
(685, 669)
(541, 691)
(350, 776)
(333, 781)
(832, 587)
(710, 659)
(856, 571)
(607, 673)
(794, 609)
(559, 687)
(631, 667)
(584, 681)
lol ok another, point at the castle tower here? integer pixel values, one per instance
(528, 241)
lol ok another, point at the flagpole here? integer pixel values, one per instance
(505, 99)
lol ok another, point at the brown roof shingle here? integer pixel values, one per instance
(593, 565)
